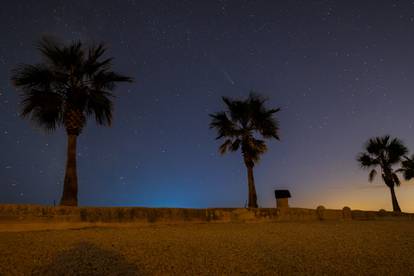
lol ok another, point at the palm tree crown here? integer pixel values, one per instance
(384, 152)
(73, 83)
(242, 123)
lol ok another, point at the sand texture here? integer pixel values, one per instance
(314, 248)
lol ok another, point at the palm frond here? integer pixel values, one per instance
(108, 80)
(238, 110)
(266, 124)
(253, 148)
(225, 146)
(372, 175)
(396, 150)
(51, 50)
(261, 118)
(32, 76)
(235, 145)
(99, 103)
(95, 62)
(224, 126)
(44, 108)
(407, 168)
(396, 179)
(367, 161)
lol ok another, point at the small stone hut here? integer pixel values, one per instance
(282, 198)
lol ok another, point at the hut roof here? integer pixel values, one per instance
(282, 193)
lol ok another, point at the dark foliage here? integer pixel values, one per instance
(242, 123)
(71, 77)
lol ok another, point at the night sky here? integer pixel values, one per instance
(342, 72)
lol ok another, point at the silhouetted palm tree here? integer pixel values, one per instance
(72, 83)
(384, 152)
(239, 125)
(407, 167)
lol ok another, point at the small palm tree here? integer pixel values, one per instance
(407, 167)
(73, 83)
(384, 152)
(239, 125)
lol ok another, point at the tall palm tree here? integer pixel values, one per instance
(239, 126)
(74, 82)
(407, 167)
(384, 153)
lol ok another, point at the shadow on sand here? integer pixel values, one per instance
(87, 259)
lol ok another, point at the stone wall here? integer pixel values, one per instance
(37, 213)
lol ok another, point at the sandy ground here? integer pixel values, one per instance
(345, 248)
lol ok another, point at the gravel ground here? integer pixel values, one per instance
(345, 248)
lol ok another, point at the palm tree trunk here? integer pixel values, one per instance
(70, 186)
(252, 189)
(395, 205)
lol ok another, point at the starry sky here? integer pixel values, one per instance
(342, 72)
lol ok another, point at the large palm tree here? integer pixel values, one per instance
(384, 153)
(73, 82)
(240, 126)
